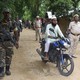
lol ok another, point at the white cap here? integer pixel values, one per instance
(54, 17)
(20, 20)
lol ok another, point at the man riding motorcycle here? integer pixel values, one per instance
(52, 34)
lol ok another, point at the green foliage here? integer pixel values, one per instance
(29, 9)
(60, 7)
(33, 6)
(27, 14)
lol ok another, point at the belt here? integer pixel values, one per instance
(38, 27)
(75, 34)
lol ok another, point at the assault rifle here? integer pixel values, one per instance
(7, 35)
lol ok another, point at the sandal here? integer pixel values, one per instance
(46, 58)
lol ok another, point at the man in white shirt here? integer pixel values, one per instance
(52, 34)
(74, 30)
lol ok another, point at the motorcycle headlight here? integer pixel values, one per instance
(68, 41)
(66, 45)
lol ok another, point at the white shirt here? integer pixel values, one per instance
(56, 32)
(74, 27)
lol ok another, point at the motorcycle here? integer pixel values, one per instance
(57, 55)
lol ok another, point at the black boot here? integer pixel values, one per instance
(2, 72)
(8, 70)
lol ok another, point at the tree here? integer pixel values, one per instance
(19, 7)
(33, 6)
(75, 4)
(60, 7)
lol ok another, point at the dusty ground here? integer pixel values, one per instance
(27, 65)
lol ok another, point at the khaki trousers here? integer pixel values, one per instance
(38, 33)
(74, 42)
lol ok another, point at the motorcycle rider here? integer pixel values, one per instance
(52, 34)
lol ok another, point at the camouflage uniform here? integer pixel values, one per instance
(6, 46)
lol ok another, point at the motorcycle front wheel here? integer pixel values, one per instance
(66, 66)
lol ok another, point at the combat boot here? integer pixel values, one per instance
(2, 72)
(8, 70)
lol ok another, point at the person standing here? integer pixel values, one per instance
(6, 45)
(18, 25)
(74, 34)
(37, 27)
(44, 23)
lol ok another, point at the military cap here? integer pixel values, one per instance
(6, 10)
(37, 16)
(76, 15)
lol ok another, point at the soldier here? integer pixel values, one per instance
(74, 33)
(6, 46)
(18, 25)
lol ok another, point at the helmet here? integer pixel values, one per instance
(6, 10)
(67, 43)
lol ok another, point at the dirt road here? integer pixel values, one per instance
(27, 65)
